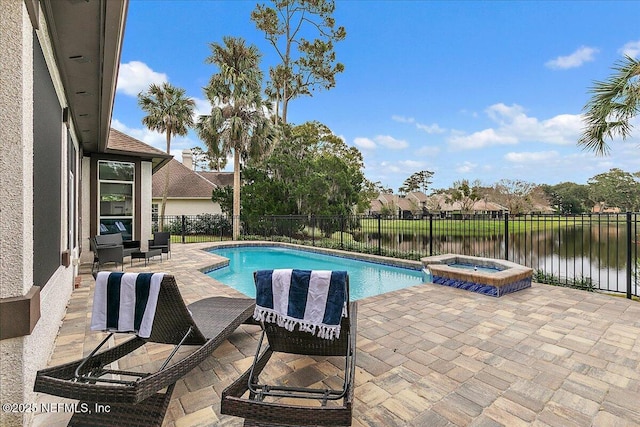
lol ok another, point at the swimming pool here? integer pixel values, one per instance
(365, 278)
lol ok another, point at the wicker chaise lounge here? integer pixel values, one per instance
(134, 397)
(268, 404)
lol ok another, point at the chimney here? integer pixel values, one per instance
(187, 158)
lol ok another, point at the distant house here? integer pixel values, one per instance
(538, 208)
(483, 207)
(419, 199)
(189, 191)
(602, 207)
(392, 205)
(417, 204)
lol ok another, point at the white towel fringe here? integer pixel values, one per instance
(328, 332)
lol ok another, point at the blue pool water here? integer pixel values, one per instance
(475, 268)
(365, 278)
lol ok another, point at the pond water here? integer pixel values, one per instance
(577, 252)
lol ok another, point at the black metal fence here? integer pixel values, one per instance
(591, 251)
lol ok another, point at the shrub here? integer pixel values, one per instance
(583, 283)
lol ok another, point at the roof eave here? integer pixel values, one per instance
(87, 43)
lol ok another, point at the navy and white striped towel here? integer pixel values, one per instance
(125, 302)
(313, 300)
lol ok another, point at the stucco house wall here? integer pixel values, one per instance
(20, 357)
(176, 206)
(54, 109)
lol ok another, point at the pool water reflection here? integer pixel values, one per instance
(365, 278)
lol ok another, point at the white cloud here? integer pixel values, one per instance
(631, 49)
(402, 167)
(410, 164)
(527, 157)
(466, 112)
(428, 150)
(135, 77)
(202, 108)
(576, 59)
(514, 126)
(561, 129)
(380, 140)
(433, 128)
(402, 119)
(502, 113)
(364, 143)
(480, 139)
(466, 167)
(391, 142)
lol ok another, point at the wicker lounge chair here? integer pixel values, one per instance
(262, 404)
(136, 398)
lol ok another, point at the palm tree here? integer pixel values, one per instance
(614, 103)
(237, 122)
(169, 112)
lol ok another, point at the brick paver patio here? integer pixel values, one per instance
(427, 356)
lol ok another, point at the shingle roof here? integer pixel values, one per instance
(183, 182)
(482, 205)
(418, 195)
(400, 202)
(375, 205)
(221, 179)
(120, 143)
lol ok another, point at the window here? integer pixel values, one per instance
(154, 217)
(115, 193)
(49, 177)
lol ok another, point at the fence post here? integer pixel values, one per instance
(183, 228)
(430, 234)
(379, 234)
(506, 236)
(341, 231)
(313, 230)
(629, 258)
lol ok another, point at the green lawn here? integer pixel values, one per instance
(473, 227)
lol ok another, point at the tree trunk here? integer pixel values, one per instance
(164, 198)
(166, 184)
(285, 105)
(236, 194)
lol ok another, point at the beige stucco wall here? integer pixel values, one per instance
(145, 201)
(21, 357)
(189, 206)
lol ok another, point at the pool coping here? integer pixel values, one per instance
(376, 259)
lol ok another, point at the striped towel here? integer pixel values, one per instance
(315, 301)
(125, 302)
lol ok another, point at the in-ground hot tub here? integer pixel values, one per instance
(487, 276)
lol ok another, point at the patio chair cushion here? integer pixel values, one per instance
(129, 246)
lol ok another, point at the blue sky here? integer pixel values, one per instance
(469, 90)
